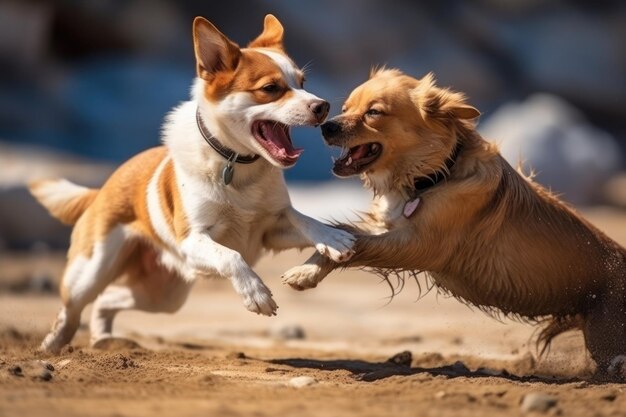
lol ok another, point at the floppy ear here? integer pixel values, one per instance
(439, 103)
(272, 35)
(214, 51)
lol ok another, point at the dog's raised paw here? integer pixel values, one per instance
(337, 245)
(260, 301)
(303, 277)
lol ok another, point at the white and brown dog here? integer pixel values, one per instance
(208, 203)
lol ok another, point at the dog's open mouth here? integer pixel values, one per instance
(357, 159)
(276, 140)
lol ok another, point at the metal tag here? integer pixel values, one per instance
(227, 173)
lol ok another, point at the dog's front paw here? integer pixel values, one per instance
(303, 277)
(259, 300)
(337, 244)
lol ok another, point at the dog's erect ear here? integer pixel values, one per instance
(214, 51)
(439, 103)
(272, 36)
(464, 111)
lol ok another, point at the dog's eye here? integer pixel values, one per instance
(373, 112)
(270, 88)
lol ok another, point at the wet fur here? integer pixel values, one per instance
(488, 235)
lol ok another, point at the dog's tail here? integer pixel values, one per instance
(64, 200)
(556, 326)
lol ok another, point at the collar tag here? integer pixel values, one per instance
(229, 170)
(410, 207)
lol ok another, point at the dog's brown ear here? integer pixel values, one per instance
(441, 103)
(464, 111)
(272, 35)
(214, 51)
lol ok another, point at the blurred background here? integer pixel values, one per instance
(85, 85)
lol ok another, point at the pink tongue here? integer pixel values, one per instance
(277, 134)
(359, 152)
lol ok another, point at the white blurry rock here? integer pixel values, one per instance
(553, 139)
(302, 381)
(288, 332)
(537, 401)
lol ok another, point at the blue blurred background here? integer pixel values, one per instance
(96, 77)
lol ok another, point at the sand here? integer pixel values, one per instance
(342, 349)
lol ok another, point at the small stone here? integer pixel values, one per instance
(460, 368)
(492, 372)
(45, 375)
(236, 355)
(401, 359)
(289, 332)
(302, 381)
(16, 370)
(62, 364)
(440, 395)
(537, 401)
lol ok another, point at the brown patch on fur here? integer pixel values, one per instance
(229, 69)
(272, 35)
(487, 235)
(171, 203)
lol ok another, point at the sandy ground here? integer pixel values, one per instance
(215, 358)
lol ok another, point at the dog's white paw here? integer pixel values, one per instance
(303, 277)
(259, 300)
(336, 244)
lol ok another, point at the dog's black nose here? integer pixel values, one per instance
(320, 109)
(330, 128)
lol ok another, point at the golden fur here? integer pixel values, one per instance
(487, 235)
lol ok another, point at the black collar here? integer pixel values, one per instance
(422, 184)
(227, 153)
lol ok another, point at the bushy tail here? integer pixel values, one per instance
(64, 200)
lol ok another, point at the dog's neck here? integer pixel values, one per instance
(423, 183)
(195, 156)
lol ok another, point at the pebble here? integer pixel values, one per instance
(402, 359)
(440, 394)
(537, 401)
(302, 381)
(288, 332)
(460, 368)
(62, 364)
(236, 355)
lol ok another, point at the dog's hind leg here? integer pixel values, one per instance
(605, 335)
(84, 278)
(159, 292)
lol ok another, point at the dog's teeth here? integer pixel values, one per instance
(375, 147)
(349, 161)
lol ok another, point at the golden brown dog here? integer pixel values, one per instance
(447, 203)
